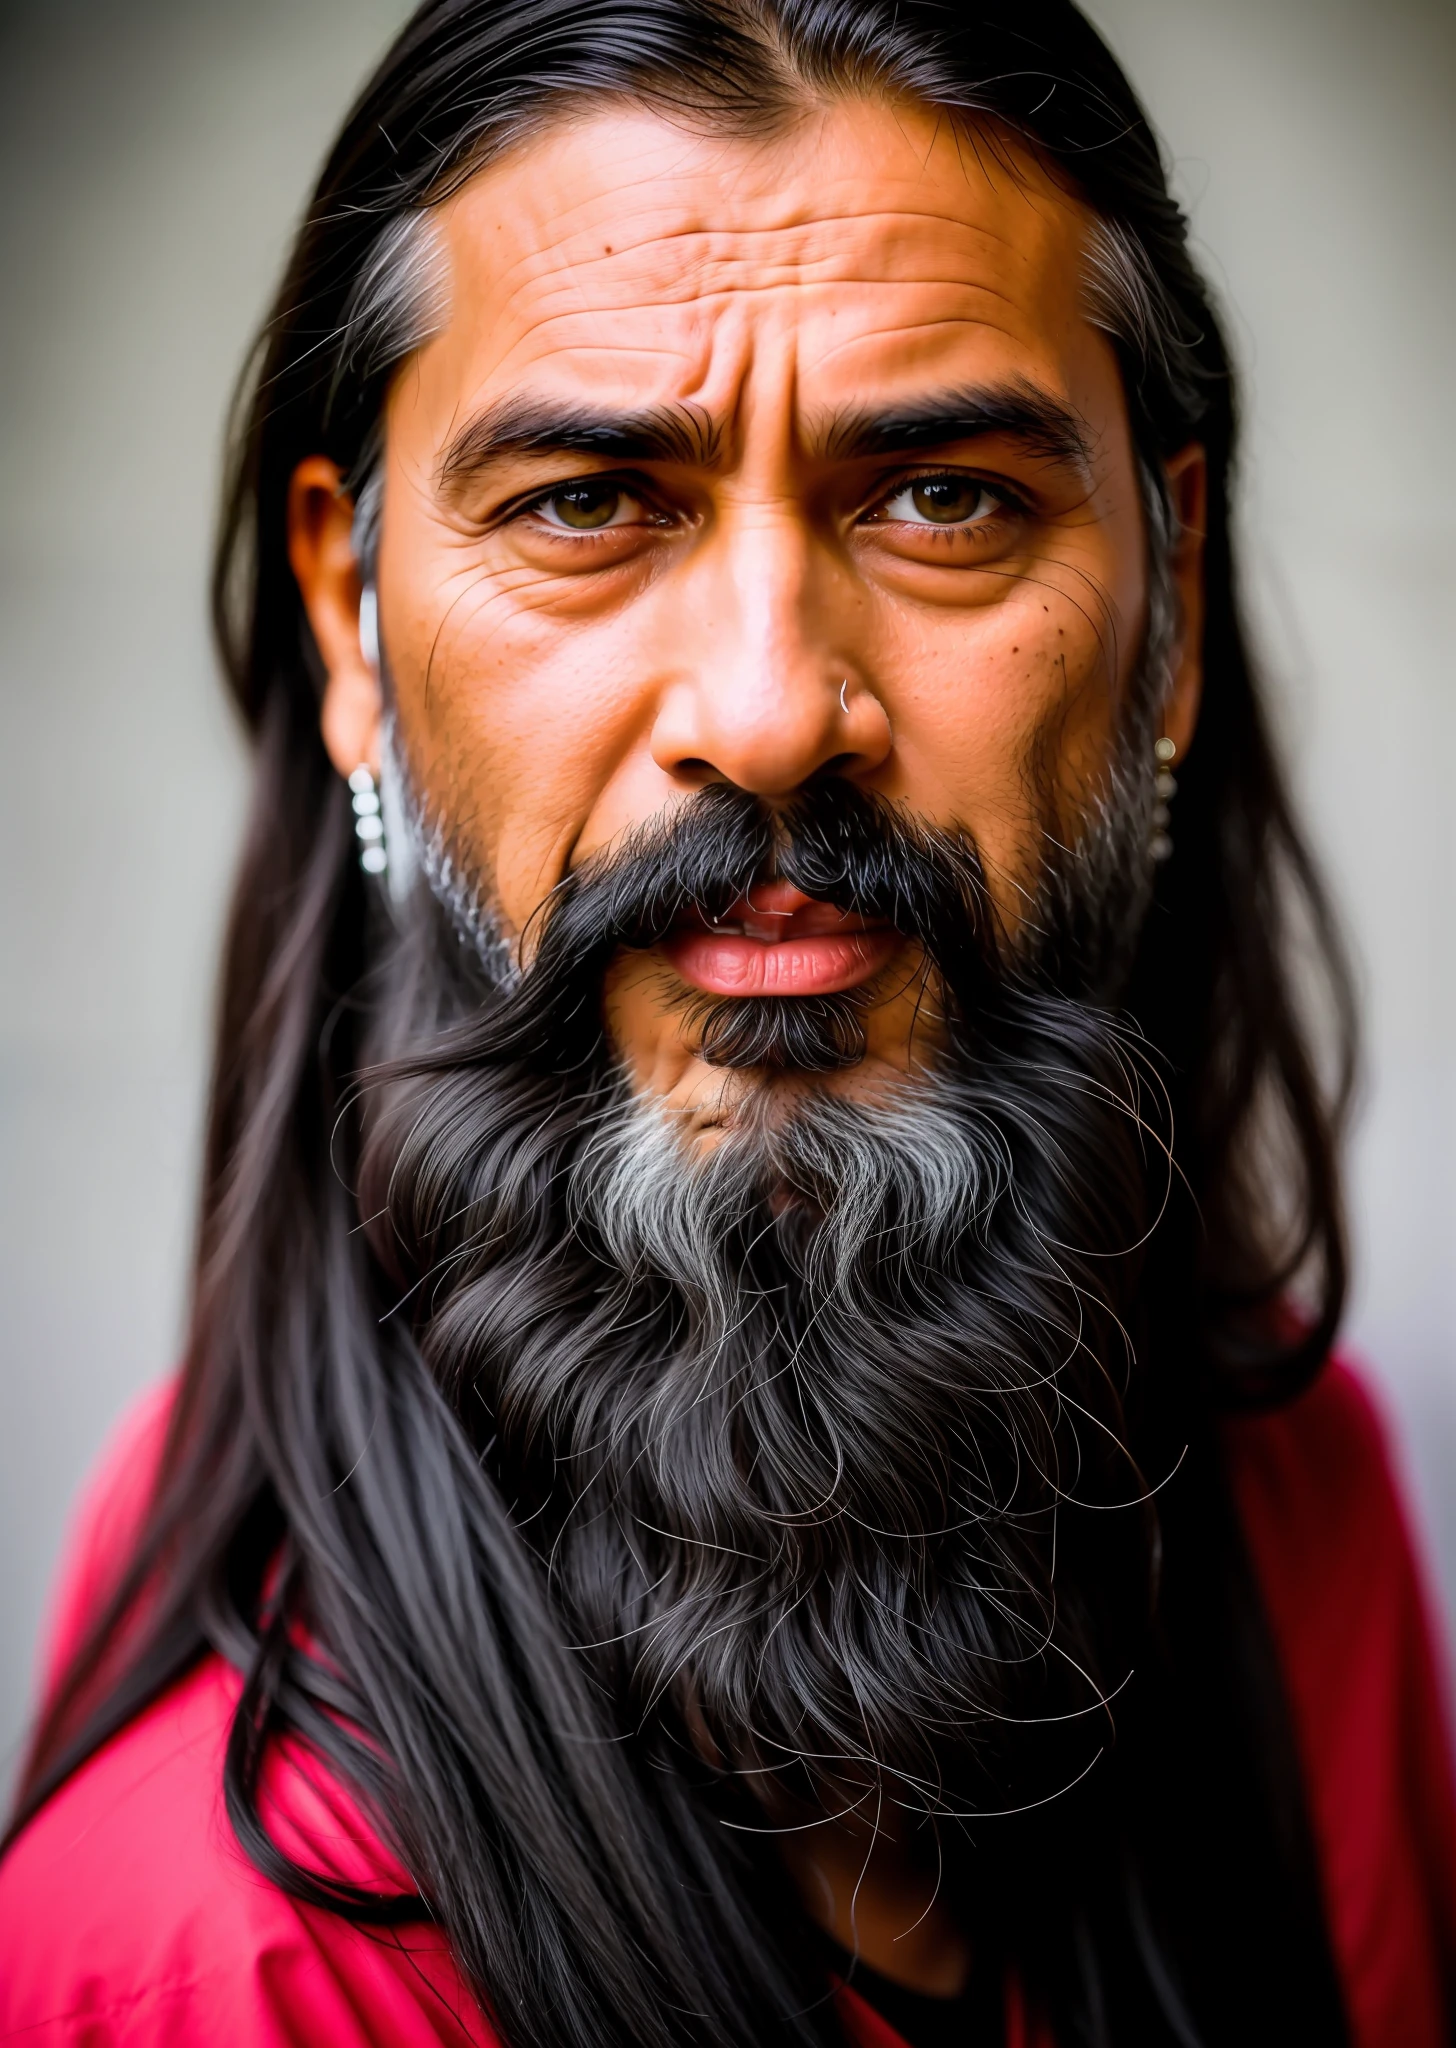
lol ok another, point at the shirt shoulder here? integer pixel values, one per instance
(1322, 1514)
(1322, 1511)
(129, 1911)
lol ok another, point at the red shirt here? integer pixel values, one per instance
(128, 1914)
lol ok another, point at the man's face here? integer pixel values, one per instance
(753, 484)
(746, 462)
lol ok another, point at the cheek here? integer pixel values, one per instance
(996, 714)
(515, 719)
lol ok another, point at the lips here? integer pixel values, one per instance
(776, 941)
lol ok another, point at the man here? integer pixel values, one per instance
(757, 1457)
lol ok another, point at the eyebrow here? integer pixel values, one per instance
(1043, 425)
(683, 434)
(687, 434)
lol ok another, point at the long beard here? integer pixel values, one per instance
(820, 1440)
(809, 1498)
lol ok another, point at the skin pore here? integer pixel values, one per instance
(746, 461)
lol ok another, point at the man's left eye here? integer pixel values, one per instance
(589, 506)
(940, 501)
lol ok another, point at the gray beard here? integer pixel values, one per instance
(910, 1172)
(802, 1430)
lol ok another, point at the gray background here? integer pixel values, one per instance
(152, 160)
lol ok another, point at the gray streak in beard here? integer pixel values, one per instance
(914, 1170)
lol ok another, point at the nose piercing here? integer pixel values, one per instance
(843, 695)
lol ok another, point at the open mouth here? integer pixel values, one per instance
(776, 941)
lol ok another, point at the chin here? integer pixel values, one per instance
(714, 1102)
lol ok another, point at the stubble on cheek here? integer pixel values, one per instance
(1061, 762)
(483, 803)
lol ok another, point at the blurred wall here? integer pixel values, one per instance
(152, 159)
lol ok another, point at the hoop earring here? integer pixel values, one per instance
(368, 824)
(1165, 787)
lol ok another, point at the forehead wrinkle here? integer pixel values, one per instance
(711, 270)
(669, 402)
(921, 334)
(538, 343)
(689, 264)
(689, 260)
(981, 208)
(550, 331)
(686, 263)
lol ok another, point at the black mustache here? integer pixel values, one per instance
(837, 843)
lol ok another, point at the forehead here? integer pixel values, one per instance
(867, 247)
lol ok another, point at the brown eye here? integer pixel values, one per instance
(946, 499)
(940, 501)
(585, 506)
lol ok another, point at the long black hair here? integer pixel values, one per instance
(590, 1897)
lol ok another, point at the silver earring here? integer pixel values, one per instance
(368, 825)
(369, 626)
(1166, 788)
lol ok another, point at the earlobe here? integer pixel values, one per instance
(1187, 477)
(351, 719)
(321, 550)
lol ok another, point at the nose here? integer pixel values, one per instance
(771, 691)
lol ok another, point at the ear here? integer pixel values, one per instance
(321, 549)
(1187, 475)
